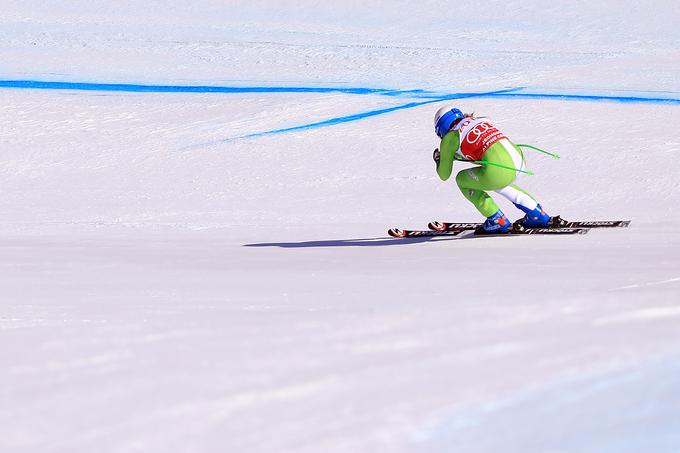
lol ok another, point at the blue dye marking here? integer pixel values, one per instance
(424, 94)
(431, 97)
(350, 118)
(135, 88)
(583, 97)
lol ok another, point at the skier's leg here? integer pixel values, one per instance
(519, 197)
(474, 182)
(535, 215)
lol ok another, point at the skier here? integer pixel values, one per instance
(466, 137)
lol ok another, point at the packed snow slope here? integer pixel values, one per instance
(207, 270)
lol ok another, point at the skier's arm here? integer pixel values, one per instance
(447, 150)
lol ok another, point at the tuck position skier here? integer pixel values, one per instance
(465, 137)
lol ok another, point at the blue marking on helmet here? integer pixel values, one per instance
(445, 122)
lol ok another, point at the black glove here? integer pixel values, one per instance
(435, 156)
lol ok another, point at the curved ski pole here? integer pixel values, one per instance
(539, 149)
(483, 162)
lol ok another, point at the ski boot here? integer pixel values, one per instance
(536, 218)
(495, 224)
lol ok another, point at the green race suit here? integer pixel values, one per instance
(474, 182)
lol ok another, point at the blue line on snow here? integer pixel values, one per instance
(140, 88)
(583, 97)
(355, 117)
(135, 88)
(422, 94)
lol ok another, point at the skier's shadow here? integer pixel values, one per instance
(366, 242)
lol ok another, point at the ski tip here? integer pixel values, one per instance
(436, 226)
(396, 233)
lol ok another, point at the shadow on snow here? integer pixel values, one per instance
(366, 242)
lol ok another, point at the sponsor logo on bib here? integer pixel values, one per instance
(478, 138)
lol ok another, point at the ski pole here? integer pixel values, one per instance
(539, 149)
(484, 162)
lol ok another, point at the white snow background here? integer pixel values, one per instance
(167, 285)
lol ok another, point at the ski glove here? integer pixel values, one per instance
(435, 156)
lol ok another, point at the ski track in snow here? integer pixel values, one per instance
(642, 285)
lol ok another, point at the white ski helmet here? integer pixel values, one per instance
(444, 118)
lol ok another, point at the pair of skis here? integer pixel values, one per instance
(557, 226)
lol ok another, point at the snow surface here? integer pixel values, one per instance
(166, 286)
